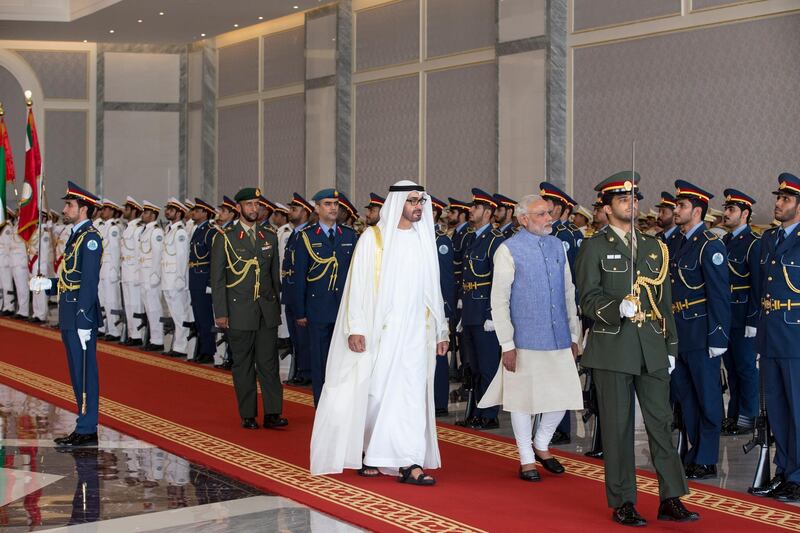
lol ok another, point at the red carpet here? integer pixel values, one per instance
(190, 410)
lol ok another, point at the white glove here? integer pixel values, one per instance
(155, 279)
(716, 352)
(459, 327)
(208, 290)
(84, 335)
(671, 363)
(40, 283)
(488, 326)
(749, 331)
(460, 304)
(627, 309)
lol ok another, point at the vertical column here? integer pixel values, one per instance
(183, 143)
(208, 148)
(557, 92)
(99, 120)
(344, 88)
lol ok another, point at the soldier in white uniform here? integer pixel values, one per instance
(110, 299)
(189, 222)
(41, 265)
(6, 279)
(129, 271)
(151, 246)
(20, 272)
(175, 275)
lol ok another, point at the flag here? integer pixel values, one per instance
(6, 167)
(29, 201)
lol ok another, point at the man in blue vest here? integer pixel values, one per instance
(79, 309)
(476, 312)
(321, 261)
(701, 305)
(444, 248)
(299, 212)
(744, 251)
(200, 279)
(778, 336)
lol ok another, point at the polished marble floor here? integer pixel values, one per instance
(124, 484)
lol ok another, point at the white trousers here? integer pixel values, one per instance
(110, 300)
(133, 304)
(7, 285)
(40, 305)
(151, 296)
(522, 423)
(180, 311)
(21, 277)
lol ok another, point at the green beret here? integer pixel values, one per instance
(248, 193)
(325, 194)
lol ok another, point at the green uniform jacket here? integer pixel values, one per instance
(603, 280)
(234, 264)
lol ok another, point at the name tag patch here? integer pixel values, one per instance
(613, 256)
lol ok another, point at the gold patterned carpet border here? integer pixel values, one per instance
(649, 485)
(374, 505)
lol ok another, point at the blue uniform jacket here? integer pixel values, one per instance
(477, 277)
(321, 271)
(779, 328)
(200, 257)
(701, 292)
(744, 254)
(288, 285)
(78, 279)
(447, 278)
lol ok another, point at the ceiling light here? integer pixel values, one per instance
(161, 13)
(296, 7)
(139, 21)
(85, 40)
(260, 18)
(235, 25)
(202, 35)
(110, 31)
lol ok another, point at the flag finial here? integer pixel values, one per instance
(28, 98)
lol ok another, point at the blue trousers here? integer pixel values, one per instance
(319, 336)
(697, 388)
(300, 345)
(86, 500)
(441, 383)
(484, 360)
(782, 392)
(204, 322)
(85, 423)
(740, 362)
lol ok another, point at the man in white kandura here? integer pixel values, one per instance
(536, 320)
(378, 393)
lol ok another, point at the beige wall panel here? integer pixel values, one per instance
(588, 14)
(320, 139)
(518, 19)
(238, 68)
(237, 148)
(135, 77)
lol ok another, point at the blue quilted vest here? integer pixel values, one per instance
(538, 307)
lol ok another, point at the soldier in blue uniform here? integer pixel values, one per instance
(505, 215)
(200, 279)
(476, 312)
(321, 261)
(79, 309)
(373, 209)
(561, 205)
(444, 246)
(347, 212)
(228, 213)
(778, 336)
(666, 221)
(744, 251)
(701, 305)
(299, 212)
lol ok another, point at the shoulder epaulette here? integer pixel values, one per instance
(496, 232)
(270, 229)
(710, 235)
(755, 235)
(309, 227)
(598, 233)
(573, 227)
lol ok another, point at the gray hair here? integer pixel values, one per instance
(525, 202)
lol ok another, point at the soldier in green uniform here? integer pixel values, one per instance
(631, 346)
(245, 285)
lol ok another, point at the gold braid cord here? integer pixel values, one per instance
(246, 264)
(64, 284)
(331, 262)
(649, 283)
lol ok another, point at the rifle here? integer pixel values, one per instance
(677, 423)
(591, 409)
(761, 439)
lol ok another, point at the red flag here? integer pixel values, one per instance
(29, 202)
(6, 167)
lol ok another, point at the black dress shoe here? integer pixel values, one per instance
(274, 421)
(596, 454)
(551, 465)
(789, 493)
(249, 423)
(442, 412)
(77, 440)
(701, 471)
(489, 423)
(65, 438)
(672, 509)
(627, 515)
(177, 355)
(770, 489)
(529, 475)
(473, 422)
(226, 365)
(559, 438)
(204, 359)
(34, 320)
(132, 342)
(154, 347)
(111, 338)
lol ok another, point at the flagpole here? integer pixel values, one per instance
(40, 189)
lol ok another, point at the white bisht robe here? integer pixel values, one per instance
(381, 401)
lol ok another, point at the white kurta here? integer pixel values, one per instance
(544, 381)
(396, 426)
